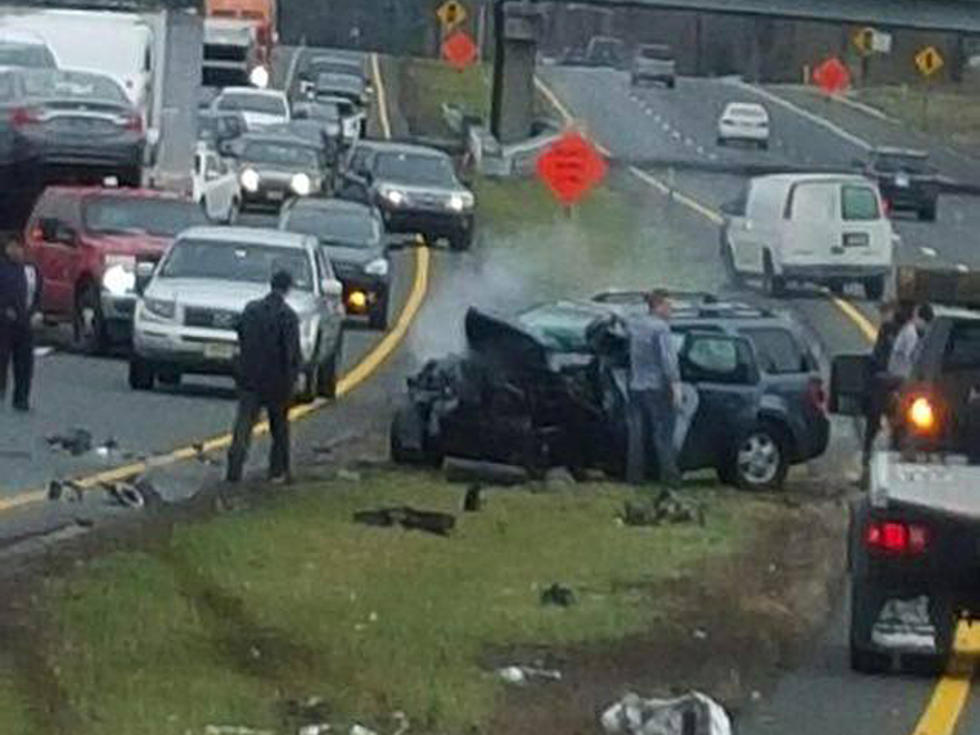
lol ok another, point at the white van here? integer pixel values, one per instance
(822, 228)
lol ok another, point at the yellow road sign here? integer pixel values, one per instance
(864, 40)
(451, 13)
(928, 61)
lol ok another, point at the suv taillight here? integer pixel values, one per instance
(23, 116)
(816, 394)
(133, 122)
(896, 537)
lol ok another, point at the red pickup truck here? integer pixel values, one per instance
(86, 242)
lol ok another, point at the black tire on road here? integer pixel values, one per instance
(169, 378)
(88, 324)
(461, 240)
(722, 142)
(131, 177)
(327, 378)
(760, 458)
(874, 288)
(928, 212)
(141, 374)
(671, 83)
(764, 145)
(378, 317)
(866, 602)
(728, 260)
(772, 284)
(836, 288)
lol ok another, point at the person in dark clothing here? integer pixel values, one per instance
(883, 384)
(20, 298)
(269, 363)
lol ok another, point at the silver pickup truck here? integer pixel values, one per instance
(914, 540)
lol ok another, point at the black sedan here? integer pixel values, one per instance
(352, 236)
(81, 121)
(273, 168)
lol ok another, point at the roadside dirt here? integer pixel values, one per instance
(732, 626)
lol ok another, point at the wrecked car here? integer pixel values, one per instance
(548, 388)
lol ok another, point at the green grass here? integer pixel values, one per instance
(951, 111)
(294, 600)
(428, 83)
(15, 716)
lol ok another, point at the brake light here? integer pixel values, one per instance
(895, 537)
(921, 415)
(816, 394)
(23, 116)
(133, 123)
(886, 206)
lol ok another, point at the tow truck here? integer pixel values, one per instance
(914, 538)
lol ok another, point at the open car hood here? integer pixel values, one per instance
(504, 342)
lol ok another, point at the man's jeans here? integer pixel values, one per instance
(651, 422)
(249, 406)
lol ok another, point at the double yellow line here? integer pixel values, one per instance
(949, 697)
(358, 374)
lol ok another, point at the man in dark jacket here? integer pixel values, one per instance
(20, 296)
(269, 363)
(883, 384)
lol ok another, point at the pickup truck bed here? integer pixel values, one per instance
(950, 487)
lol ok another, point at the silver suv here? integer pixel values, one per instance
(187, 317)
(654, 63)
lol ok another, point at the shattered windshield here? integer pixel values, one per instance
(561, 328)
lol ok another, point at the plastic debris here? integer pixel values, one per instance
(905, 625)
(667, 507)
(75, 441)
(558, 594)
(234, 730)
(700, 634)
(692, 714)
(356, 729)
(523, 674)
(67, 489)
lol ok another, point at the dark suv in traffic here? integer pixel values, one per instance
(548, 387)
(906, 179)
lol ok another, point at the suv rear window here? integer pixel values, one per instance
(658, 53)
(858, 203)
(779, 351)
(963, 348)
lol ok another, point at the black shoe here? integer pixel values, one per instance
(286, 479)
(22, 406)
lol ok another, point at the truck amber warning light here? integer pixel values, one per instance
(921, 414)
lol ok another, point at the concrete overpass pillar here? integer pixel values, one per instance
(512, 110)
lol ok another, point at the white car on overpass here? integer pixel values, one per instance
(744, 121)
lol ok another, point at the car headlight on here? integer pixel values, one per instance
(301, 184)
(259, 77)
(160, 308)
(377, 267)
(395, 196)
(459, 202)
(119, 277)
(250, 180)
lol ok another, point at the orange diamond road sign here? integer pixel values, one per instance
(928, 61)
(451, 13)
(832, 76)
(459, 50)
(571, 167)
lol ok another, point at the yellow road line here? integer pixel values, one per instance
(868, 329)
(358, 374)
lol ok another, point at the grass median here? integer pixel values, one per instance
(230, 620)
(951, 112)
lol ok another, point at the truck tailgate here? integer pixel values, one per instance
(950, 486)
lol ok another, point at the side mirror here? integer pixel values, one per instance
(850, 384)
(144, 274)
(332, 288)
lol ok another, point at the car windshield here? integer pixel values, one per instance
(231, 261)
(73, 85)
(152, 216)
(281, 154)
(326, 111)
(351, 229)
(414, 168)
(559, 327)
(659, 53)
(29, 55)
(334, 66)
(894, 163)
(250, 102)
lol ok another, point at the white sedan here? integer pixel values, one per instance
(744, 121)
(215, 186)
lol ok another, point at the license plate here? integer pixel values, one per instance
(274, 196)
(902, 180)
(856, 240)
(219, 351)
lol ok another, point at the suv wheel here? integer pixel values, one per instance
(233, 211)
(772, 284)
(88, 324)
(928, 212)
(327, 378)
(141, 374)
(671, 83)
(461, 240)
(728, 260)
(874, 288)
(865, 607)
(760, 458)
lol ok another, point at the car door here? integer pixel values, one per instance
(55, 250)
(330, 307)
(746, 227)
(724, 372)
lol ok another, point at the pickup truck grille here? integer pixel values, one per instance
(195, 316)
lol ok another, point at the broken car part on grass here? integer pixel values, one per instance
(440, 524)
(692, 714)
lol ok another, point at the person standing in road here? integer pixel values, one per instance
(903, 353)
(654, 392)
(883, 384)
(269, 362)
(20, 298)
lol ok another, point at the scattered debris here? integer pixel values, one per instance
(133, 495)
(348, 475)
(356, 729)
(700, 634)
(559, 595)
(472, 502)
(58, 488)
(74, 441)
(458, 469)
(692, 714)
(319, 729)
(410, 518)
(402, 721)
(905, 624)
(234, 730)
(309, 710)
(524, 674)
(667, 507)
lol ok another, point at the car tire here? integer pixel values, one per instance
(233, 212)
(764, 145)
(671, 83)
(461, 240)
(88, 325)
(131, 177)
(760, 458)
(866, 603)
(874, 288)
(169, 378)
(722, 142)
(327, 378)
(378, 318)
(928, 212)
(728, 261)
(772, 284)
(141, 374)
(836, 287)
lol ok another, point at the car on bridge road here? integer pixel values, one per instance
(906, 179)
(259, 107)
(86, 242)
(187, 317)
(746, 122)
(654, 62)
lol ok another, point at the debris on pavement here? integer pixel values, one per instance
(906, 625)
(692, 714)
(472, 502)
(523, 674)
(667, 507)
(460, 469)
(409, 518)
(67, 489)
(74, 441)
(356, 729)
(559, 595)
(318, 729)
(133, 495)
(234, 730)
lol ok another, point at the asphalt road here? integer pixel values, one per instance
(653, 125)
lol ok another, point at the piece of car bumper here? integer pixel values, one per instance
(122, 151)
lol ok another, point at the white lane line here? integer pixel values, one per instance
(816, 119)
(700, 150)
(931, 252)
(688, 142)
(648, 111)
(665, 126)
(657, 117)
(962, 268)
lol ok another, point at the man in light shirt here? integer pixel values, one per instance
(654, 391)
(906, 343)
